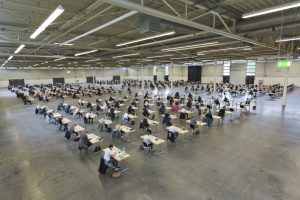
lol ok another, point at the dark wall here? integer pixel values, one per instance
(16, 82)
(89, 79)
(116, 78)
(194, 73)
(58, 80)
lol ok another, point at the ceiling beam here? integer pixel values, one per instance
(149, 11)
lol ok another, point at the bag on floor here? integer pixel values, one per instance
(197, 132)
(116, 175)
(132, 123)
(254, 107)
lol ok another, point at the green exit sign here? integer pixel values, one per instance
(284, 63)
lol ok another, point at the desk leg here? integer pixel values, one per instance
(160, 151)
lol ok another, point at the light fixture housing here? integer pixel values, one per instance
(85, 52)
(146, 38)
(19, 48)
(93, 60)
(288, 39)
(55, 14)
(272, 9)
(162, 56)
(127, 55)
(187, 47)
(101, 27)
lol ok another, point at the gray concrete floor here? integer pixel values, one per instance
(256, 157)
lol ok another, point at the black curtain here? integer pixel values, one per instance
(194, 73)
(166, 77)
(58, 80)
(250, 80)
(89, 79)
(154, 77)
(16, 82)
(116, 78)
(226, 79)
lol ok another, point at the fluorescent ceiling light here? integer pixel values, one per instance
(272, 9)
(288, 39)
(216, 50)
(35, 64)
(59, 65)
(85, 52)
(127, 55)
(187, 57)
(92, 60)
(146, 38)
(196, 46)
(61, 44)
(19, 48)
(5, 62)
(10, 57)
(56, 13)
(102, 26)
(125, 60)
(58, 59)
(166, 55)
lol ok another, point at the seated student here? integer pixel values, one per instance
(98, 100)
(60, 106)
(189, 105)
(111, 98)
(217, 102)
(183, 114)
(145, 125)
(77, 112)
(117, 132)
(112, 114)
(59, 122)
(162, 108)
(147, 140)
(221, 112)
(80, 102)
(145, 112)
(197, 110)
(133, 103)
(193, 123)
(130, 110)
(167, 120)
(208, 118)
(226, 100)
(172, 134)
(89, 105)
(146, 104)
(84, 140)
(175, 107)
(117, 105)
(88, 118)
(108, 157)
(125, 118)
(67, 110)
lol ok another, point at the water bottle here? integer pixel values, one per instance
(123, 152)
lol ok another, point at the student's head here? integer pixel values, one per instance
(110, 146)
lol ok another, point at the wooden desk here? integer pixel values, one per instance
(171, 116)
(119, 154)
(94, 139)
(78, 129)
(57, 115)
(199, 123)
(66, 121)
(155, 140)
(179, 130)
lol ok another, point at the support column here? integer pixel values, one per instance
(215, 69)
(142, 79)
(171, 77)
(285, 89)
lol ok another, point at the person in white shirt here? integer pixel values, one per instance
(89, 118)
(108, 157)
(147, 140)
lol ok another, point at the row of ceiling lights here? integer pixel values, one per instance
(59, 10)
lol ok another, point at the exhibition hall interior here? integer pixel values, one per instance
(150, 99)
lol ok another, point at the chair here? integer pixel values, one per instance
(147, 149)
